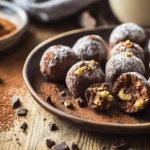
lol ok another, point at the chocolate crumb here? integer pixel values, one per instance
(73, 146)
(22, 112)
(52, 126)
(49, 100)
(16, 102)
(63, 93)
(61, 146)
(24, 126)
(17, 139)
(121, 143)
(50, 143)
(68, 104)
(81, 102)
(44, 119)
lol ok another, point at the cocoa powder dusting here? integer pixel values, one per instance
(6, 27)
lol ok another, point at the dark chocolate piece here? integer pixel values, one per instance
(52, 126)
(56, 61)
(91, 47)
(50, 143)
(128, 46)
(132, 92)
(44, 119)
(22, 112)
(24, 126)
(122, 63)
(73, 146)
(81, 102)
(99, 96)
(15, 102)
(49, 100)
(61, 146)
(68, 104)
(63, 93)
(82, 75)
(128, 31)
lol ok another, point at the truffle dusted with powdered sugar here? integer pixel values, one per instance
(122, 63)
(82, 75)
(56, 61)
(91, 47)
(128, 31)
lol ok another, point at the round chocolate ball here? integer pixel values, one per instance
(91, 47)
(128, 46)
(82, 75)
(128, 31)
(122, 63)
(99, 96)
(132, 92)
(56, 61)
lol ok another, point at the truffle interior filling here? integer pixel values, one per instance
(131, 92)
(100, 97)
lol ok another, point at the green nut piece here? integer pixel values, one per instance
(103, 94)
(139, 104)
(110, 98)
(123, 96)
(79, 72)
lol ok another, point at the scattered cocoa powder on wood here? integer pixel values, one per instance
(6, 27)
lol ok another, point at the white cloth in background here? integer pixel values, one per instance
(51, 10)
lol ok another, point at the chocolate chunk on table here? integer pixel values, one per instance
(50, 143)
(22, 112)
(24, 126)
(61, 146)
(16, 102)
(52, 126)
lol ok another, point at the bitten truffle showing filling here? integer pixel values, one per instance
(56, 61)
(99, 96)
(128, 46)
(132, 91)
(122, 63)
(82, 75)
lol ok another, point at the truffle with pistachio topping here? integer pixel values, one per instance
(128, 46)
(132, 92)
(91, 47)
(128, 31)
(122, 63)
(56, 61)
(82, 75)
(99, 96)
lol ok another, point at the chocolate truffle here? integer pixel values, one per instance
(56, 61)
(122, 63)
(82, 75)
(91, 47)
(128, 46)
(99, 96)
(128, 31)
(132, 92)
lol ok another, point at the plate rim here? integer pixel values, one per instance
(60, 113)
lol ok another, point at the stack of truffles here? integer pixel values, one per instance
(82, 68)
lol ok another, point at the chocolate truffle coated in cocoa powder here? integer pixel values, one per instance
(122, 63)
(128, 46)
(56, 61)
(91, 47)
(82, 75)
(99, 96)
(132, 92)
(128, 31)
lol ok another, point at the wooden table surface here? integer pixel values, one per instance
(11, 64)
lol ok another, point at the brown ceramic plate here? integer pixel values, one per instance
(110, 121)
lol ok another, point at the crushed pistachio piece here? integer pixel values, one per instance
(110, 98)
(79, 72)
(123, 96)
(103, 94)
(139, 104)
(97, 100)
(128, 54)
(129, 44)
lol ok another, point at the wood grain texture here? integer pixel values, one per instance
(38, 131)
